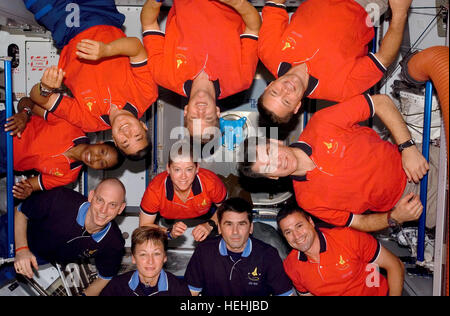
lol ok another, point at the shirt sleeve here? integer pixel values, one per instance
(150, 203)
(367, 71)
(38, 205)
(48, 181)
(336, 218)
(365, 245)
(143, 79)
(276, 277)
(109, 259)
(154, 45)
(70, 110)
(194, 272)
(275, 20)
(218, 191)
(111, 289)
(347, 114)
(294, 275)
(249, 58)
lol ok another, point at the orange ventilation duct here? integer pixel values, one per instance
(432, 64)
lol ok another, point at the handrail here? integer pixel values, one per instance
(424, 181)
(9, 157)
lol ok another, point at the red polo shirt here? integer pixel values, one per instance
(345, 266)
(330, 37)
(202, 35)
(160, 196)
(96, 85)
(355, 169)
(42, 147)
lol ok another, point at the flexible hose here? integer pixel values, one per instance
(432, 64)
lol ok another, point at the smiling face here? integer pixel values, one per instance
(99, 156)
(200, 113)
(298, 231)
(274, 160)
(107, 201)
(129, 133)
(283, 96)
(235, 229)
(149, 258)
(182, 173)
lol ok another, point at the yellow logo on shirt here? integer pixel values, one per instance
(204, 203)
(342, 264)
(290, 43)
(57, 173)
(181, 59)
(254, 275)
(89, 105)
(329, 145)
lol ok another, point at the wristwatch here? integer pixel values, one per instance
(168, 231)
(28, 111)
(211, 223)
(44, 91)
(392, 222)
(406, 144)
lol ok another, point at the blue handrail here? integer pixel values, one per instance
(9, 159)
(424, 181)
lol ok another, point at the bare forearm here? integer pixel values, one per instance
(96, 287)
(391, 117)
(36, 96)
(251, 17)
(126, 46)
(390, 45)
(395, 278)
(149, 15)
(20, 229)
(370, 222)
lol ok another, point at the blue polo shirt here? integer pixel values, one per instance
(56, 231)
(128, 284)
(259, 271)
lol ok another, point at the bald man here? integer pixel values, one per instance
(62, 226)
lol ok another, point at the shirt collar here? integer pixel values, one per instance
(81, 219)
(313, 82)
(76, 142)
(247, 250)
(308, 150)
(163, 283)
(323, 246)
(187, 87)
(170, 192)
(128, 107)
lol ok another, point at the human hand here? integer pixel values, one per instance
(409, 208)
(23, 189)
(400, 7)
(149, 14)
(201, 231)
(52, 78)
(24, 262)
(414, 164)
(178, 229)
(92, 50)
(16, 124)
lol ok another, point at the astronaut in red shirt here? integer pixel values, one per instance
(341, 169)
(337, 261)
(54, 148)
(105, 71)
(322, 53)
(208, 52)
(183, 191)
